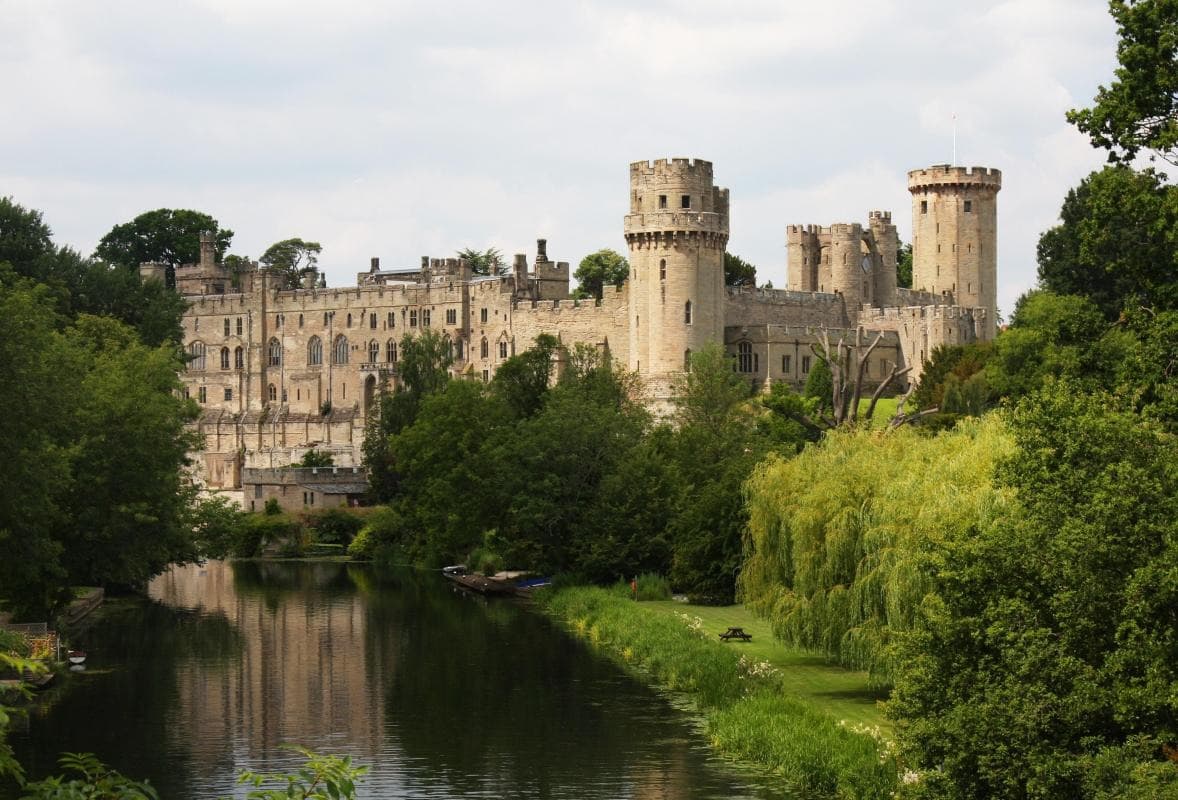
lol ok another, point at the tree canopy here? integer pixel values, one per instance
(165, 235)
(597, 270)
(484, 262)
(294, 259)
(738, 272)
(1139, 109)
(1117, 242)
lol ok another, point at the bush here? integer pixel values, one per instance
(335, 525)
(382, 537)
(272, 507)
(257, 531)
(653, 587)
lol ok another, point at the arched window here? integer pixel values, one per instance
(272, 392)
(300, 320)
(238, 358)
(196, 356)
(662, 269)
(744, 357)
(449, 345)
(339, 352)
(274, 352)
(390, 351)
(373, 351)
(224, 358)
(349, 320)
(314, 352)
(484, 348)
(459, 350)
(687, 360)
(687, 312)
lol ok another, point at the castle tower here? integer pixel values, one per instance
(846, 263)
(677, 230)
(884, 263)
(804, 253)
(955, 236)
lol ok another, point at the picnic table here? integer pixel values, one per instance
(736, 633)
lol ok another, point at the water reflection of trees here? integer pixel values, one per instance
(490, 698)
(125, 714)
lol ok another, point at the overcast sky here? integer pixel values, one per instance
(406, 129)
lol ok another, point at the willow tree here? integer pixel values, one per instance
(843, 541)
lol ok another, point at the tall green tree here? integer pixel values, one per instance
(738, 272)
(484, 262)
(294, 259)
(38, 396)
(1139, 109)
(1117, 242)
(165, 235)
(128, 505)
(523, 380)
(597, 270)
(1044, 664)
(904, 265)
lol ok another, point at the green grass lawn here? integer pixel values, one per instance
(844, 693)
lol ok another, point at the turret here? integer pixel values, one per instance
(955, 235)
(883, 232)
(846, 262)
(677, 230)
(803, 255)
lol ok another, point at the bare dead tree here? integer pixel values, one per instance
(847, 385)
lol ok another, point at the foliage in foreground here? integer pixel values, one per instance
(749, 715)
(844, 540)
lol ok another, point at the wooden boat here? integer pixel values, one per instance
(506, 583)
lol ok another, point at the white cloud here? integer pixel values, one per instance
(403, 129)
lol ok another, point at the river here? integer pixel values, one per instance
(442, 694)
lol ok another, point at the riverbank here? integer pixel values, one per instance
(757, 710)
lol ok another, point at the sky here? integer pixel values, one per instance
(398, 130)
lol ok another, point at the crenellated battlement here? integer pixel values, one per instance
(677, 167)
(944, 174)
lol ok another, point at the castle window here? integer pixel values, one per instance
(484, 348)
(503, 349)
(274, 350)
(226, 326)
(349, 320)
(687, 312)
(685, 201)
(390, 351)
(202, 394)
(459, 350)
(662, 201)
(968, 206)
(413, 318)
(239, 326)
(924, 206)
(785, 365)
(486, 376)
(238, 358)
(662, 269)
(969, 288)
(372, 320)
(300, 320)
(373, 351)
(196, 356)
(225, 357)
(938, 248)
(196, 324)
(805, 365)
(228, 394)
(451, 316)
(687, 360)
(339, 353)
(324, 319)
(969, 247)
(391, 322)
(744, 357)
(483, 315)
(184, 393)
(272, 392)
(425, 314)
(314, 352)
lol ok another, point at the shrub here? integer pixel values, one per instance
(653, 587)
(335, 525)
(272, 507)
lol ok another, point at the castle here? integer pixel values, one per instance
(278, 371)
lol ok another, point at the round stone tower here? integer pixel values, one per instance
(846, 262)
(955, 236)
(677, 230)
